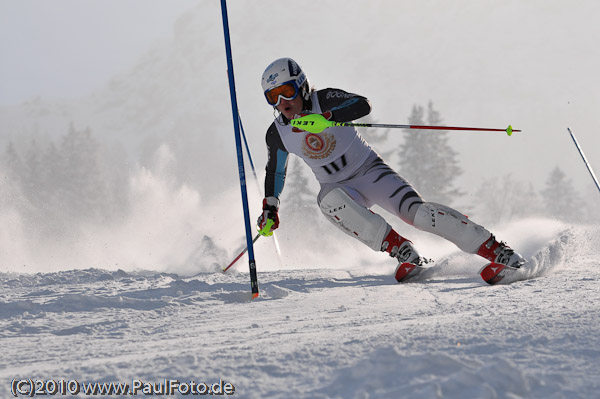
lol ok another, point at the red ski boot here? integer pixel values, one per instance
(410, 263)
(504, 260)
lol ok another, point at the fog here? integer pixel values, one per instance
(149, 81)
(68, 48)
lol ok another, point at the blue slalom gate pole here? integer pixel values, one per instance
(587, 164)
(240, 155)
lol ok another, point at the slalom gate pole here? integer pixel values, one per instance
(249, 156)
(240, 155)
(247, 149)
(585, 161)
(275, 241)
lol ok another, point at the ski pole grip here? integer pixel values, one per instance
(312, 123)
(266, 230)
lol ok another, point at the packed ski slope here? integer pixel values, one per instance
(320, 332)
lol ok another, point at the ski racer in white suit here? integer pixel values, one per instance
(353, 177)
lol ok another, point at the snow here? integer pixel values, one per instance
(322, 332)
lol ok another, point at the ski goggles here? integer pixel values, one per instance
(287, 91)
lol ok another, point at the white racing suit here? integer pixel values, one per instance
(353, 178)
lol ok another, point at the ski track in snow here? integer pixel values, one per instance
(320, 333)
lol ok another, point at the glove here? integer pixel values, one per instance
(269, 220)
(327, 115)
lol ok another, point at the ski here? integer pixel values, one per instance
(493, 273)
(406, 271)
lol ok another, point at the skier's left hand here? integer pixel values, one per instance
(270, 209)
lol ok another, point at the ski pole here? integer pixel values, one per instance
(275, 241)
(241, 254)
(316, 123)
(587, 164)
(265, 231)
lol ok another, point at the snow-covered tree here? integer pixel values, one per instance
(11, 172)
(561, 199)
(78, 183)
(591, 196)
(33, 177)
(501, 199)
(12, 165)
(378, 138)
(72, 181)
(299, 200)
(427, 160)
(301, 220)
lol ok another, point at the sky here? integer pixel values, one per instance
(532, 64)
(67, 48)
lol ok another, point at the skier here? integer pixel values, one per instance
(353, 177)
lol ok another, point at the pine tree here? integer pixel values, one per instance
(427, 160)
(300, 216)
(590, 196)
(504, 199)
(34, 176)
(299, 200)
(11, 172)
(560, 198)
(12, 164)
(378, 138)
(53, 174)
(81, 185)
(115, 169)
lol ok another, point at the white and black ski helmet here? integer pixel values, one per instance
(282, 71)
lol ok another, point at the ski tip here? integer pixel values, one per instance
(491, 273)
(404, 271)
(494, 273)
(255, 295)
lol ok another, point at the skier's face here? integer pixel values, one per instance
(289, 108)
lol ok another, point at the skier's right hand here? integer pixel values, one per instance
(270, 209)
